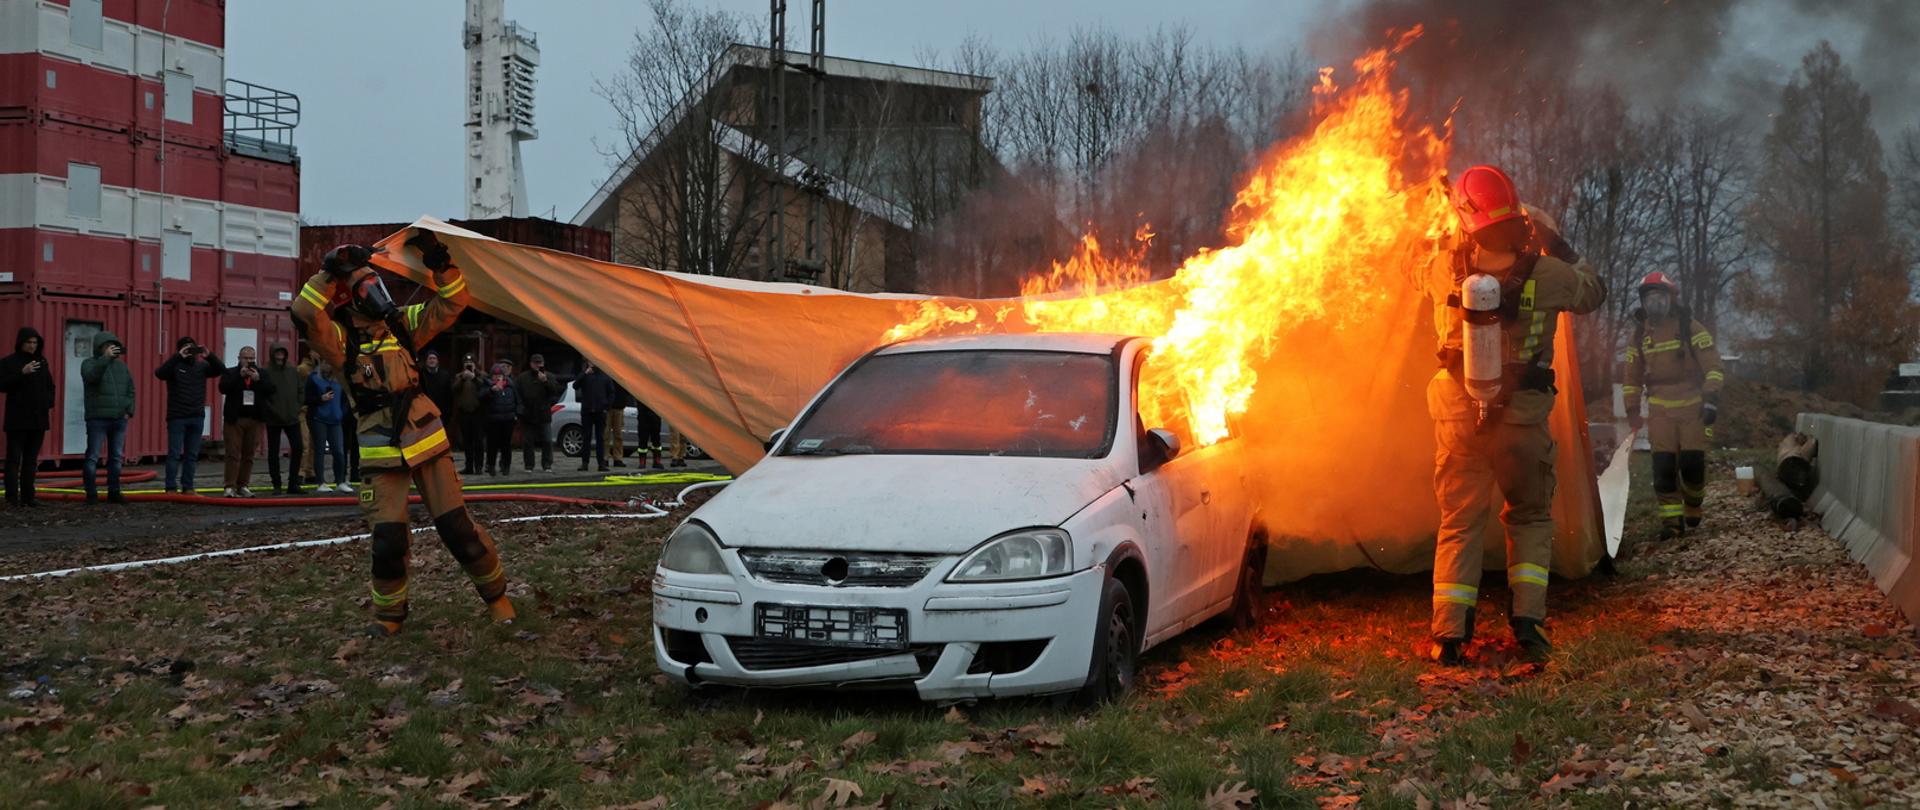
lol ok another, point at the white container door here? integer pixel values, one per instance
(78, 346)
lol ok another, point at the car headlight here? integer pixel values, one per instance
(1027, 554)
(692, 550)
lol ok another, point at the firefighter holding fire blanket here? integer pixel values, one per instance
(1497, 298)
(351, 321)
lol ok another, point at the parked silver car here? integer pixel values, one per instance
(570, 437)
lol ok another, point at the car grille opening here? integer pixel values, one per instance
(1006, 657)
(853, 569)
(685, 646)
(764, 654)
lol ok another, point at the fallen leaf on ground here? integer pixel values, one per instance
(1231, 797)
(859, 740)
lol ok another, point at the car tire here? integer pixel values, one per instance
(694, 452)
(1249, 594)
(572, 441)
(1116, 648)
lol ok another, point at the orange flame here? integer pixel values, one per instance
(1327, 230)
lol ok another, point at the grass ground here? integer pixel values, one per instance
(237, 682)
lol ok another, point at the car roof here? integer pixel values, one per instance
(1076, 342)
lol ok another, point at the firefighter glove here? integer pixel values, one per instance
(341, 261)
(433, 254)
(1708, 413)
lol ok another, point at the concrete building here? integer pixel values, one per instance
(142, 192)
(896, 148)
(501, 57)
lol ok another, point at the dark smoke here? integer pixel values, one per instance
(1732, 55)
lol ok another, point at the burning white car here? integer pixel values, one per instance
(974, 517)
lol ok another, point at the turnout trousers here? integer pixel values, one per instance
(1679, 440)
(384, 499)
(1471, 468)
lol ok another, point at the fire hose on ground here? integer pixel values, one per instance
(652, 512)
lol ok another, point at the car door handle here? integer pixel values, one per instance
(1206, 496)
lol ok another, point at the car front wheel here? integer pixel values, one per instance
(1116, 647)
(572, 440)
(1249, 595)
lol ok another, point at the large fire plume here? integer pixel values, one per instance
(1325, 238)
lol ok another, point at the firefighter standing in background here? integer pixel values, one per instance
(401, 437)
(1673, 363)
(1504, 440)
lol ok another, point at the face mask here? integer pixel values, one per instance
(370, 298)
(1657, 304)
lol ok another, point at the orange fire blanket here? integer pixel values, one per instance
(727, 362)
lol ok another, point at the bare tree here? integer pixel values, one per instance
(1700, 163)
(1905, 164)
(693, 205)
(1608, 220)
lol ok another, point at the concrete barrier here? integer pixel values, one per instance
(1869, 498)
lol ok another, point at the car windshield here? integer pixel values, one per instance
(981, 403)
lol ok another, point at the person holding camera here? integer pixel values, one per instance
(186, 373)
(469, 429)
(246, 390)
(284, 419)
(538, 391)
(28, 384)
(108, 387)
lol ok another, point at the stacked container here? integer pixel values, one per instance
(127, 203)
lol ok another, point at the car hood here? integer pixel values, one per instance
(915, 504)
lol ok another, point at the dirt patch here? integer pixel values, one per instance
(1758, 414)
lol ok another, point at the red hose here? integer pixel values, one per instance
(128, 477)
(176, 497)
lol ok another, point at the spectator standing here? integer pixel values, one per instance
(246, 389)
(647, 425)
(437, 383)
(27, 381)
(326, 411)
(471, 434)
(617, 425)
(282, 415)
(186, 373)
(537, 391)
(676, 449)
(108, 394)
(308, 363)
(595, 392)
(500, 403)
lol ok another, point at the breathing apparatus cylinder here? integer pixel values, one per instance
(1482, 344)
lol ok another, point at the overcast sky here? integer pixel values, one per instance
(381, 85)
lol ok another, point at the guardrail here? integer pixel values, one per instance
(1869, 498)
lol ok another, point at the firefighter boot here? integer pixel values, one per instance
(1448, 652)
(1533, 643)
(501, 610)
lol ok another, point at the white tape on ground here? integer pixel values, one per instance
(653, 512)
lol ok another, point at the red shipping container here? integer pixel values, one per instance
(260, 183)
(39, 85)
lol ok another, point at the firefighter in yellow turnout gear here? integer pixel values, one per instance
(1500, 443)
(350, 320)
(1673, 365)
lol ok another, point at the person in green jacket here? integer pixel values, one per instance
(109, 404)
(283, 417)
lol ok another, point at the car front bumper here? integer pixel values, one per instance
(956, 634)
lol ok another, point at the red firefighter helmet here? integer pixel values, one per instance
(1657, 280)
(1484, 196)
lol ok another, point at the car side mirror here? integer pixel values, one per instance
(1164, 446)
(774, 438)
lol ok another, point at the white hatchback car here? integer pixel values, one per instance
(974, 517)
